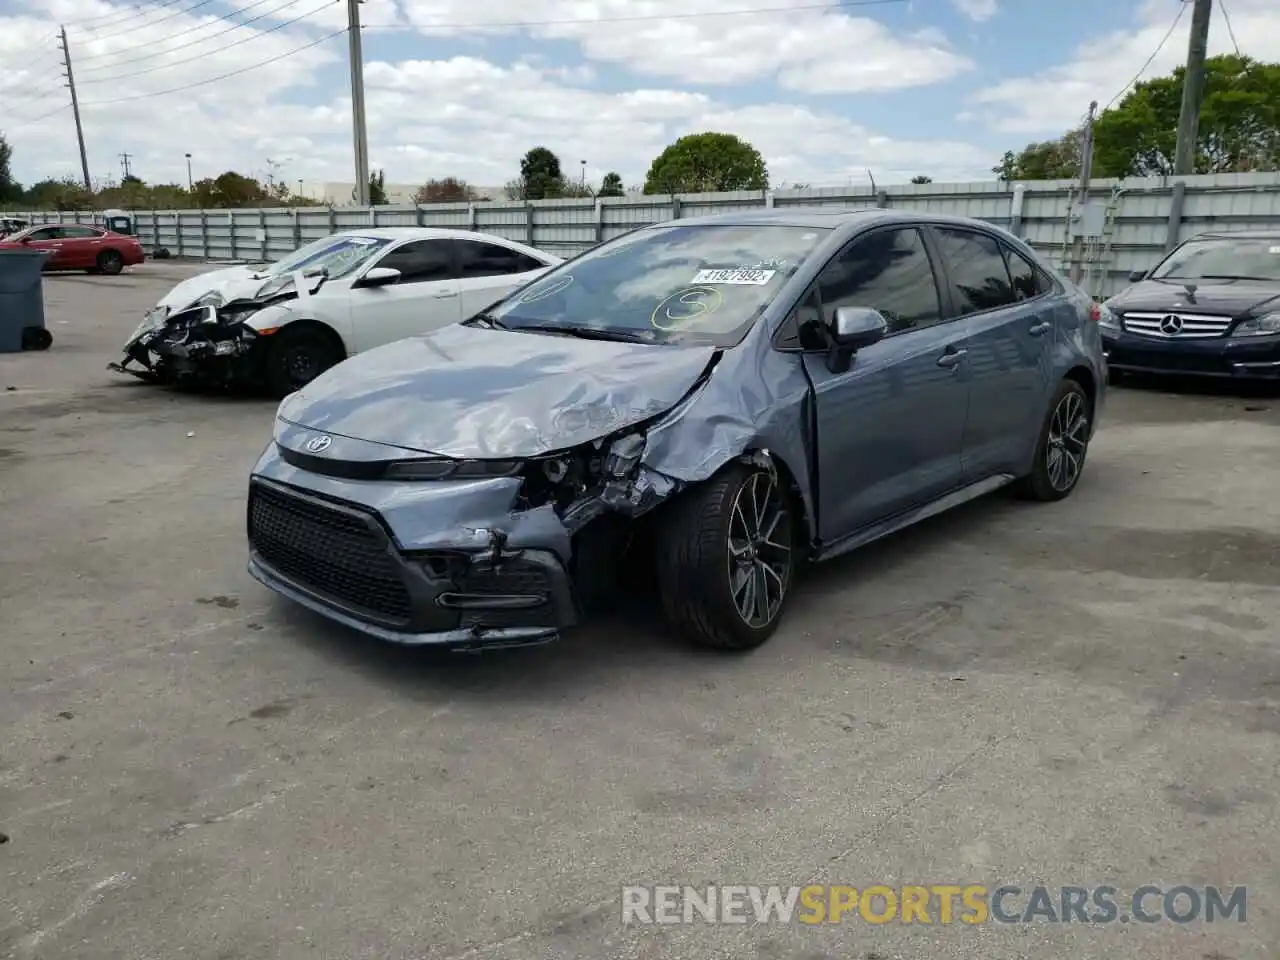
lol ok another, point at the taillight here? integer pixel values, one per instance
(1095, 311)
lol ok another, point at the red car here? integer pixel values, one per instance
(79, 247)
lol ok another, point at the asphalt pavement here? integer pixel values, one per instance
(1078, 694)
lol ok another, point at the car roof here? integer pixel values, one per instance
(417, 233)
(829, 217)
(1237, 235)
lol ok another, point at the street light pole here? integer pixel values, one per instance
(191, 185)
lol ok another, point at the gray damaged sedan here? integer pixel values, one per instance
(724, 397)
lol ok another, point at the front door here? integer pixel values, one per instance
(1003, 298)
(48, 239)
(425, 298)
(889, 429)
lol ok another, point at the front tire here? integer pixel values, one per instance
(110, 263)
(1062, 446)
(726, 559)
(296, 357)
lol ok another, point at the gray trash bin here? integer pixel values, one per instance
(22, 301)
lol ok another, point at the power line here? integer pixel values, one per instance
(1182, 8)
(1222, 6)
(236, 25)
(835, 5)
(152, 23)
(117, 17)
(210, 53)
(224, 76)
(34, 120)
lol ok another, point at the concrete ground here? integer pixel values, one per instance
(1070, 695)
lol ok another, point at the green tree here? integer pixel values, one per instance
(921, 178)
(707, 163)
(445, 190)
(65, 194)
(611, 185)
(230, 189)
(378, 188)
(541, 177)
(10, 189)
(1239, 128)
(1048, 160)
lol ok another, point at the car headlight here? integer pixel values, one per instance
(451, 469)
(1108, 319)
(1264, 326)
(211, 299)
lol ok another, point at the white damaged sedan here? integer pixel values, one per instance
(283, 324)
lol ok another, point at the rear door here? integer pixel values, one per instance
(1011, 331)
(489, 271)
(80, 247)
(425, 298)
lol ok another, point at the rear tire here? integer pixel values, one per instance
(298, 356)
(726, 559)
(1062, 446)
(110, 263)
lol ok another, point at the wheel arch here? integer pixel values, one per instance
(311, 325)
(799, 496)
(1084, 376)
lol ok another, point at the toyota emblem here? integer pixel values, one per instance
(319, 444)
(1171, 325)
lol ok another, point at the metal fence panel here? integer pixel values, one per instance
(1149, 215)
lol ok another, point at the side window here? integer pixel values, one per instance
(979, 277)
(490, 260)
(888, 270)
(421, 261)
(80, 233)
(48, 233)
(1027, 280)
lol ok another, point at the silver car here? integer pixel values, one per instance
(732, 395)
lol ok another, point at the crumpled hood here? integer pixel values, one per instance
(231, 282)
(469, 392)
(1223, 297)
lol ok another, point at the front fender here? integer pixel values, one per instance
(270, 319)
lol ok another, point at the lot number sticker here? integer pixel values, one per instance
(739, 276)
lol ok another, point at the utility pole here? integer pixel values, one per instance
(124, 164)
(1184, 158)
(360, 131)
(75, 108)
(1086, 174)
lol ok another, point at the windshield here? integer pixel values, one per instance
(669, 284)
(336, 256)
(1225, 259)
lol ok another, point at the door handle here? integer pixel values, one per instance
(444, 294)
(951, 358)
(1040, 329)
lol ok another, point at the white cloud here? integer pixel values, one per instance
(1050, 102)
(466, 116)
(977, 9)
(807, 50)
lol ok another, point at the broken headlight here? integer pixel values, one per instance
(451, 469)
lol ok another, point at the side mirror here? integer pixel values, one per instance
(853, 328)
(25, 240)
(1136, 275)
(380, 277)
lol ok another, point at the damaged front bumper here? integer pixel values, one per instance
(194, 344)
(467, 563)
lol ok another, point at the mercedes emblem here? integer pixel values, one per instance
(318, 444)
(1171, 325)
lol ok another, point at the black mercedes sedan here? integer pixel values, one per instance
(1211, 307)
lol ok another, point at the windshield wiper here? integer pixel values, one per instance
(587, 333)
(486, 318)
(1236, 276)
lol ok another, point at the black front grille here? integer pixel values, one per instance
(331, 552)
(1192, 361)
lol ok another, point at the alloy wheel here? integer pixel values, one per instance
(1068, 438)
(759, 550)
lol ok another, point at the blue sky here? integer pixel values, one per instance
(940, 87)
